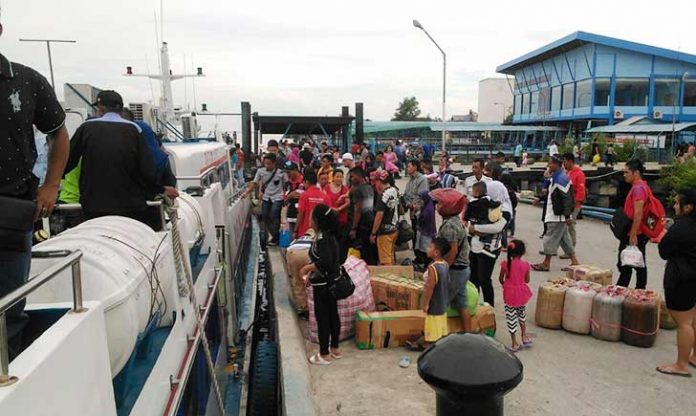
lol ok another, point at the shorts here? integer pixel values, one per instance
(557, 234)
(435, 327)
(456, 287)
(682, 297)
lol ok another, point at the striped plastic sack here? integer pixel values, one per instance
(361, 300)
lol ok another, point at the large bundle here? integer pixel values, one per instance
(296, 259)
(395, 288)
(549, 307)
(360, 300)
(641, 318)
(590, 274)
(450, 202)
(606, 313)
(577, 310)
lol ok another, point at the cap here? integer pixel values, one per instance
(109, 98)
(306, 146)
(290, 166)
(347, 156)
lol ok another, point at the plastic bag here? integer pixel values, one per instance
(285, 238)
(632, 257)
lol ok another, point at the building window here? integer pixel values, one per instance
(544, 94)
(525, 103)
(690, 93)
(556, 98)
(602, 92)
(568, 96)
(631, 92)
(583, 93)
(518, 104)
(666, 91)
(535, 102)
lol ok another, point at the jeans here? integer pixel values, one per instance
(328, 321)
(270, 215)
(14, 271)
(481, 270)
(625, 272)
(240, 177)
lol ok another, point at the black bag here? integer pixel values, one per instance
(16, 220)
(405, 232)
(342, 287)
(620, 224)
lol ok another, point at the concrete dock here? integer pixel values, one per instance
(564, 374)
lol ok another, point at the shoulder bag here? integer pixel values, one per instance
(16, 220)
(342, 286)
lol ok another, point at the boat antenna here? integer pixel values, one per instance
(193, 84)
(152, 89)
(162, 18)
(186, 101)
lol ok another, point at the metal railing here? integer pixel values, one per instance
(69, 259)
(78, 207)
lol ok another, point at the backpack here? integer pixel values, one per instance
(652, 224)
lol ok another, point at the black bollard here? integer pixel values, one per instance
(470, 374)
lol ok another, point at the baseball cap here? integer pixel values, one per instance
(306, 146)
(290, 166)
(109, 98)
(347, 156)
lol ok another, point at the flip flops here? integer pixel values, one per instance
(404, 362)
(317, 359)
(514, 350)
(540, 267)
(415, 346)
(528, 343)
(336, 356)
(664, 369)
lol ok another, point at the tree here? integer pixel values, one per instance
(408, 110)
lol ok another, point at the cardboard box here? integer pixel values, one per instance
(377, 330)
(396, 292)
(405, 271)
(591, 274)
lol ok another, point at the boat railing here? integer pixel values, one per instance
(68, 259)
(206, 178)
(78, 207)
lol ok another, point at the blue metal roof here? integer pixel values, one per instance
(577, 39)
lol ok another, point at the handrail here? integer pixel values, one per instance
(198, 177)
(77, 207)
(70, 259)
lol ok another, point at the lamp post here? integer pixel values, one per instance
(48, 46)
(417, 24)
(684, 76)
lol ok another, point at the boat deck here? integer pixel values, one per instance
(565, 374)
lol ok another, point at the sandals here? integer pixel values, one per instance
(665, 369)
(336, 356)
(415, 346)
(528, 343)
(514, 350)
(317, 359)
(566, 269)
(540, 267)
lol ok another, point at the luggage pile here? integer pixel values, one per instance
(583, 303)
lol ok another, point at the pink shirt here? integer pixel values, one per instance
(516, 291)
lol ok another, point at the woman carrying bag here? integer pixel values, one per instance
(320, 273)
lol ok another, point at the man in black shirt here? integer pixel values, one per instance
(26, 100)
(117, 173)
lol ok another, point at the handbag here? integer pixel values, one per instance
(342, 286)
(16, 220)
(620, 224)
(405, 232)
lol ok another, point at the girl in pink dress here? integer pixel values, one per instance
(514, 276)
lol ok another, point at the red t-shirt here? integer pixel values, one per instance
(333, 197)
(577, 178)
(309, 199)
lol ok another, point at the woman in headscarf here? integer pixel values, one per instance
(294, 155)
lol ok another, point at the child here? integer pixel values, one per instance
(435, 297)
(514, 276)
(525, 158)
(482, 210)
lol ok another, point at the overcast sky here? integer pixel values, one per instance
(311, 57)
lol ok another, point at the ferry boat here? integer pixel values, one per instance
(124, 320)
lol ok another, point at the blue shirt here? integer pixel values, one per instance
(518, 150)
(158, 155)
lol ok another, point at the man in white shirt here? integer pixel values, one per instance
(553, 148)
(499, 192)
(478, 176)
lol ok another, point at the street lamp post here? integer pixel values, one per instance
(48, 47)
(417, 24)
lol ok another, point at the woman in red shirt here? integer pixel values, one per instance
(337, 194)
(634, 207)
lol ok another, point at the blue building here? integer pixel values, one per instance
(585, 80)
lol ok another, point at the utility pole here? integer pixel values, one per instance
(48, 47)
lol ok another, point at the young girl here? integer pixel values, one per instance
(514, 276)
(525, 158)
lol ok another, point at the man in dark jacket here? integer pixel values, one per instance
(559, 211)
(117, 173)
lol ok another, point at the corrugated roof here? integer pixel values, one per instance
(576, 39)
(371, 127)
(642, 128)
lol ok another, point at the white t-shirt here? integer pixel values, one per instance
(553, 149)
(469, 182)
